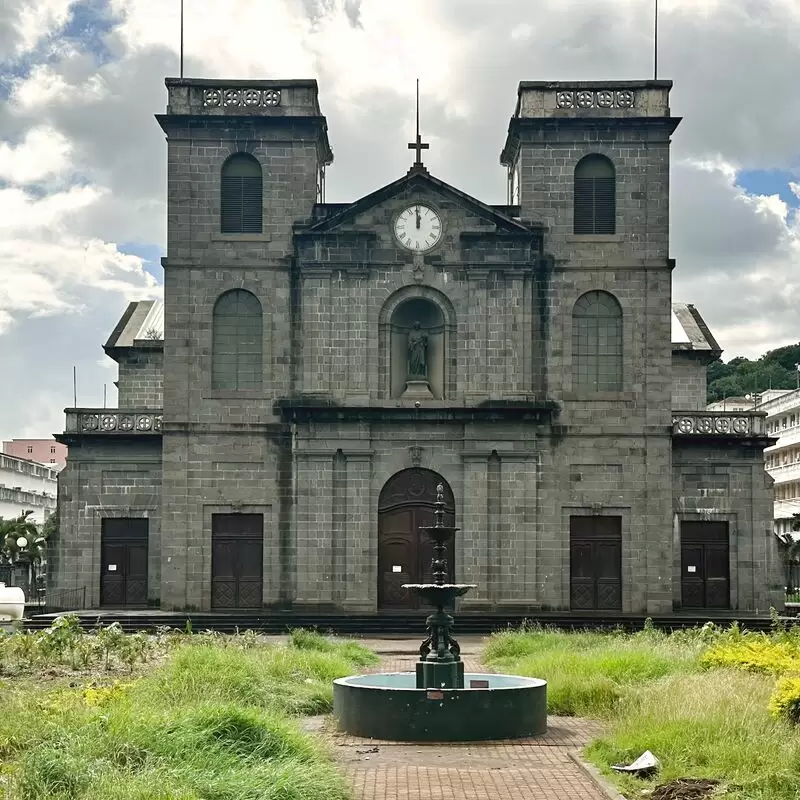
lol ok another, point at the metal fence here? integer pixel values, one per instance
(793, 583)
(52, 602)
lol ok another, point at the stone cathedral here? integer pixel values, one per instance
(316, 369)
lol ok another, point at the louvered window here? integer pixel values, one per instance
(241, 200)
(597, 343)
(595, 196)
(237, 342)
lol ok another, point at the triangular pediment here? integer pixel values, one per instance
(417, 180)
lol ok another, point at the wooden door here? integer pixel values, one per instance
(407, 503)
(237, 546)
(705, 565)
(595, 550)
(123, 562)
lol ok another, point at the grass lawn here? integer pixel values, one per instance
(697, 699)
(206, 718)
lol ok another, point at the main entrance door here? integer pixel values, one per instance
(705, 570)
(123, 562)
(237, 546)
(595, 563)
(407, 502)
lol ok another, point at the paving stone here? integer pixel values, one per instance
(538, 768)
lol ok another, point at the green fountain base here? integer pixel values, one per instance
(390, 706)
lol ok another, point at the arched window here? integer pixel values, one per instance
(595, 196)
(241, 195)
(236, 342)
(597, 343)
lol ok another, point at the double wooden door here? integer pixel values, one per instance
(123, 562)
(705, 565)
(595, 563)
(406, 504)
(237, 546)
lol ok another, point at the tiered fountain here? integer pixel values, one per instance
(440, 702)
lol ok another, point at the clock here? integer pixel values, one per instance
(418, 227)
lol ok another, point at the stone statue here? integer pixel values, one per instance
(417, 353)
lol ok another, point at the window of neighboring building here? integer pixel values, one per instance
(597, 343)
(52, 449)
(241, 195)
(237, 342)
(30, 449)
(595, 196)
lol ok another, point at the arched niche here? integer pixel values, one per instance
(417, 327)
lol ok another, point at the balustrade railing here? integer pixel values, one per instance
(716, 423)
(111, 421)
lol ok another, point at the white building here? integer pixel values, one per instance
(27, 486)
(782, 460)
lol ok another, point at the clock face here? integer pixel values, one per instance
(418, 228)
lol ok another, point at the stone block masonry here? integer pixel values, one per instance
(568, 496)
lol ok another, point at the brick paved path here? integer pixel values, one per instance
(523, 769)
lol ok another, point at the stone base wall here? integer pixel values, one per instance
(713, 483)
(104, 479)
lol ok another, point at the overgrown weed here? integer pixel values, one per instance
(212, 723)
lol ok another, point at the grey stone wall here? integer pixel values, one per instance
(224, 450)
(328, 286)
(140, 382)
(689, 383)
(105, 478)
(729, 484)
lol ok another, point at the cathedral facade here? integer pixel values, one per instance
(317, 369)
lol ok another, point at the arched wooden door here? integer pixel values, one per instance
(407, 502)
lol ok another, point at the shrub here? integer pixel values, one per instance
(754, 653)
(785, 700)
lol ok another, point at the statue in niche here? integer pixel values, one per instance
(417, 353)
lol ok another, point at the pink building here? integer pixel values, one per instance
(44, 451)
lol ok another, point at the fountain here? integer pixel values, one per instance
(440, 702)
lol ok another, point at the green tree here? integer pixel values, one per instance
(740, 376)
(22, 543)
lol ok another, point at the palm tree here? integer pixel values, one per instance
(22, 544)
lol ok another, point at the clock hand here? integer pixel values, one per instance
(418, 218)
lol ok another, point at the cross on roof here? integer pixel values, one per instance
(419, 145)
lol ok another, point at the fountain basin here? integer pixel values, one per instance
(439, 594)
(389, 706)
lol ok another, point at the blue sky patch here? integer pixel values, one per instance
(769, 182)
(87, 26)
(150, 253)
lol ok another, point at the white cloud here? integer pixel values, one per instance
(737, 255)
(39, 18)
(795, 189)
(521, 32)
(86, 160)
(47, 267)
(43, 87)
(43, 153)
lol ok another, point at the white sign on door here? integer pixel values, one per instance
(396, 568)
(112, 567)
(691, 569)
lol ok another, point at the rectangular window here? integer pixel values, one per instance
(30, 449)
(52, 449)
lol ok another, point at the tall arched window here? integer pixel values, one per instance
(241, 195)
(597, 343)
(595, 196)
(237, 342)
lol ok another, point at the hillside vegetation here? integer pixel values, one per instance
(774, 370)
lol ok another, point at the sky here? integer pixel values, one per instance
(82, 160)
